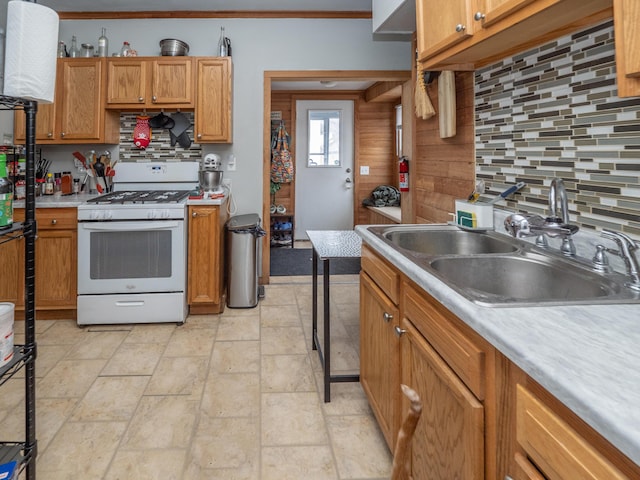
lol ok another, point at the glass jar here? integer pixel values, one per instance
(87, 50)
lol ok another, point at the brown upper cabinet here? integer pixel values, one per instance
(213, 105)
(626, 18)
(150, 82)
(467, 34)
(78, 114)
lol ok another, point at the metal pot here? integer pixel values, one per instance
(210, 180)
(173, 48)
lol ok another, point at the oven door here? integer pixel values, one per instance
(131, 257)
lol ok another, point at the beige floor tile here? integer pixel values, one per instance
(80, 450)
(242, 312)
(134, 359)
(41, 326)
(96, 345)
(151, 333)
(201, 321)
(12, 395)
(62, 332)
(238, 328)
(347, 398)
(295, 463)
(282, 340)
(232, 395)
(292, 419)
(69, 378)
(278, 295)
(344, 356)
(111, 399)
(287, 373)
(236, 357)
(179, 376)
(238, 446)
(148, 465)
(48, 357)
(161, 422)
(359, 447)
(190, 342)
(348, 313)
(279, 316)
(345, 293)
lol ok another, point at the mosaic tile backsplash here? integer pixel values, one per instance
(159, 148)
(554, 112)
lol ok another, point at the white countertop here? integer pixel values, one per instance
(51, 201)
(587, 356)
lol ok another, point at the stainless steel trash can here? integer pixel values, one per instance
(243, 260)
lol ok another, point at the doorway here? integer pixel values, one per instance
(324, 174)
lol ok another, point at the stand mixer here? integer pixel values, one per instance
(210, 174)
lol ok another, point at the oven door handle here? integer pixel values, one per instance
(128, 226)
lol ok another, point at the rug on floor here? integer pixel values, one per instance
(297, 261)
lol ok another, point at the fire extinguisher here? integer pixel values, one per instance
(404, 174)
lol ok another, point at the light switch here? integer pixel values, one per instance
(364, 170)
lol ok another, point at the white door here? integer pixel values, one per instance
(324, 166)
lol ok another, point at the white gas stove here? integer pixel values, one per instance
(132, 246)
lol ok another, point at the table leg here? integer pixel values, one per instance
(327, 333)
(314, 296)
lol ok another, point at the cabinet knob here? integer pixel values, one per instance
(54, 221)
(62, 134)
(507, 477)
(50, 134)
(399, 331)
(478, 16)
(387, 317)
(154, 98)
(460, 28)
(199, 135)
(194, 214)
(141, 99)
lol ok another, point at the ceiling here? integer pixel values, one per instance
(204, 5)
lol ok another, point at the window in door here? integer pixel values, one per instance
(324, 138)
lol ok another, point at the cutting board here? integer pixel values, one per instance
(447, 104)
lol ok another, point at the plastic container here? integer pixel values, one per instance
(474, 216)
(6, 332)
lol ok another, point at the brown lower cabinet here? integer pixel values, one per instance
(205, 284)
(55, 264)
(482, 417)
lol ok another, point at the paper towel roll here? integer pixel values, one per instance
(30, 53)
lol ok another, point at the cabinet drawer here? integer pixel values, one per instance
(556, 449)
(463, 356)
(56, 218)
(381, 273)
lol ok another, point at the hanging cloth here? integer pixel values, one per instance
(281, 159)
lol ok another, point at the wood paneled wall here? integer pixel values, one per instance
(375, 127)
(374, 145)
(443, 169)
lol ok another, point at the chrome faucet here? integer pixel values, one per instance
(519, 225)
(626, 250)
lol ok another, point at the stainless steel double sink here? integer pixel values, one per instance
(496, 270)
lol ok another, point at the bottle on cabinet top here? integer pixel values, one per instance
(103, 44)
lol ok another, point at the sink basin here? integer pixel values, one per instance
(528, 279)
(447, 241)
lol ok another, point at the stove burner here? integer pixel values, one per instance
(154, 196)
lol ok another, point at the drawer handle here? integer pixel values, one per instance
(387, 317)
(399, 331)
(54, 221)
(460, 28)
(477, 17)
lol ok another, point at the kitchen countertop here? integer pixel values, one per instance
(587, 356)
(51, 201)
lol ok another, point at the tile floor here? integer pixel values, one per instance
(231, 396)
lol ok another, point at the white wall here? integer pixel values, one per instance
(257, 45)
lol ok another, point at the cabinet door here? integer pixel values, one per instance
(213, 104)
(81, 95)
(204, 265)
(449, 438)
(441, 24)
(523, 469)
(491, 11)
(12, 278)
(172, 82)
(56, 267)
(45, 124)
(626, 15)
(126, 81)
(380, 357)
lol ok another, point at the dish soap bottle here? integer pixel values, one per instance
(103, 44)
(6, 195)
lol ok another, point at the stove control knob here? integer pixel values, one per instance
(166, 214)
(108, 215)
(151, 215)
